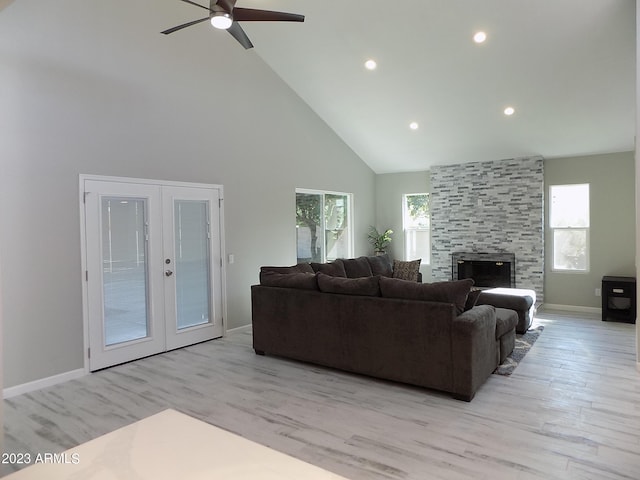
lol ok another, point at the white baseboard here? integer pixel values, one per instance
(239, 329)
(42, 383)
(65, 377)
(570, 308)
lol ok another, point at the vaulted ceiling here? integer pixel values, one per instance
(566, 67)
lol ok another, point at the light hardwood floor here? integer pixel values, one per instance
(571, 409)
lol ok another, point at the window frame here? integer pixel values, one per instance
(322, 237)
(405, 228)
(569, 228)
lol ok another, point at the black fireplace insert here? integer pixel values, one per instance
(486, 269)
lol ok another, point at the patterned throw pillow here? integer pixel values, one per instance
(472, 299)
(406, 270)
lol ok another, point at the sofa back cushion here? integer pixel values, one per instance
(299, 268)
(368, 286)
(357, 267)
(302, 280)
(447, 292)
(334, 269)
(380, 265)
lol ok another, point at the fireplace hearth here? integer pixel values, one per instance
(491, 269)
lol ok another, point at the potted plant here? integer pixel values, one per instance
(380, 241)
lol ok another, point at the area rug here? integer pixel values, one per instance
(523, 345)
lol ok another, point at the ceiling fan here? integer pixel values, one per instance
(224, 14)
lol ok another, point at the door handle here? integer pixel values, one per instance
(168, 273)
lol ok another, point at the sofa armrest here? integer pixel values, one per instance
(475, 353)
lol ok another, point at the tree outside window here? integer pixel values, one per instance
(323, 226)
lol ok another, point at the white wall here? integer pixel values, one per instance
(1, 369)
(3, 4)
(637, 176)
(93, 88)
(612, 242)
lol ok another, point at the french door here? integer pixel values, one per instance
(153, 268)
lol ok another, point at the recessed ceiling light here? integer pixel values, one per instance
(370, 64)
(414, 125)
(479, 37)
(509, 111)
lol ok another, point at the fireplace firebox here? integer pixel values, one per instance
(486, 269)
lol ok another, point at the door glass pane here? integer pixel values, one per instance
(336, 226)
(124, 270)
(309, 227)
(192, 263)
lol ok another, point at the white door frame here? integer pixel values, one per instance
(83, 249)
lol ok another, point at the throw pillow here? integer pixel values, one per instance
(447, 292)
(303, 281)
(334, 269)
(472, 298)
(368, 286)
(357, 267)
(406, 270)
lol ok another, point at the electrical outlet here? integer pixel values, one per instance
(598, 292)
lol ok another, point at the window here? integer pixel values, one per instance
(323, 226)
(569, 222)
(417, 227)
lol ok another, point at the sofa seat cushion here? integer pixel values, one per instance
(357, 267)
(506, 321)
(334, 269)
(455, 292)
(304, 281)
(368, 286)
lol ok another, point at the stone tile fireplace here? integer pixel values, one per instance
(490, 207)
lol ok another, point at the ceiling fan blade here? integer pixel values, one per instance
(252, 15)
(195, 4)
(237, 32)
(184, 25)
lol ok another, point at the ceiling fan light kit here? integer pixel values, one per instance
(224, 15)
(221, 20)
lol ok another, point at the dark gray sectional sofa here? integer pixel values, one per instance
(428, 335)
